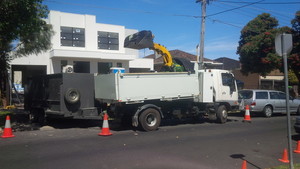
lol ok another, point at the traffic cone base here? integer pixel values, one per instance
(247, 117)
(244, 165)
(285, 158)
(298, 148)
(105, 132)
(105, 128)
(7, 132)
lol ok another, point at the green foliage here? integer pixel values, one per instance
(294, 58)
(255, 27)
(286, 166)
(293, 80)
(21, 22)
(256, 45)
(4, 113)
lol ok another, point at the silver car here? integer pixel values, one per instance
(267, 102)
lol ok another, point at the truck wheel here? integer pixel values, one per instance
(222, 114)
(149, 119)
(37, 116)
(72, 96)
(268, 111)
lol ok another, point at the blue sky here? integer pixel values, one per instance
(174, 24)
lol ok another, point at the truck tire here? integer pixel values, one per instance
(72, 95)
(37, 116)
(268, 111)
(149, 119)
(222, 114)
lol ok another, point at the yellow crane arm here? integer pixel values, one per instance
(163, 51)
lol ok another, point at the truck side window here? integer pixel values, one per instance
(228, 80)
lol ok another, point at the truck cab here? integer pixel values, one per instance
(225, 87)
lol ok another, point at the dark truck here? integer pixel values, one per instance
(64, 95)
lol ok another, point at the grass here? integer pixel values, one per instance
(286, 166)
(4, 112)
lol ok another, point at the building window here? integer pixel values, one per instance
(72, 37)
(108, 40)
(81, 67)
(104, 67)
(119, 65)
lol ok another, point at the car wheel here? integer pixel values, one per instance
(268, 111)
(222, 114)
(149, 119)
(72, 96)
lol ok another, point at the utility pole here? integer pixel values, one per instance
(203, 17)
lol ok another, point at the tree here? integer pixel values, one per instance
(294, 58)
(256, 45)
(21, 22)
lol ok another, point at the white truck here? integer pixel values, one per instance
(149, 97)
(182, 90)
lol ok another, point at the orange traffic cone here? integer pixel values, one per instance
(105, 128)
(298, 147)
(285, 158)
(247, 117)
(244, 165)
(7, 133)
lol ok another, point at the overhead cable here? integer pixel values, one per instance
(234, 8)
(269, 3)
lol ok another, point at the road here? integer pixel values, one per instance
(201, 145)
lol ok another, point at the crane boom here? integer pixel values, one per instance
(144, 39)
(167, 57)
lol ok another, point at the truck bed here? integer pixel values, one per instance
(135, 87)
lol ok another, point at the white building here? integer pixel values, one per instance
(88, 46)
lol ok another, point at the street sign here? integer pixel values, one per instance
(283, 44)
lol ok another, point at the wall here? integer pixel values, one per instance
(52, 58)
(250, 82)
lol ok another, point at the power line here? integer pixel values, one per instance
(241, 12)
(234, 8)
(269, 3)
(278, 14)
(226, 23)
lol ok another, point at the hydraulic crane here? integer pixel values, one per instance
(144, 39)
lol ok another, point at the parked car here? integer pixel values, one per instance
(297, 125)
(268, 102)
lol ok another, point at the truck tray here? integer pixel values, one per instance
(136, 87)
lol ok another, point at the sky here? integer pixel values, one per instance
(176, 23)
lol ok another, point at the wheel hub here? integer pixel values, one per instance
(151, 120)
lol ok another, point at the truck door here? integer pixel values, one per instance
(228, 88)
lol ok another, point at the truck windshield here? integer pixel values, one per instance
(245, 94)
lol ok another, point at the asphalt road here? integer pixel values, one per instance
(176, 145)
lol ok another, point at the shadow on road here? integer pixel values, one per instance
(242, 157)
(21, 122)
